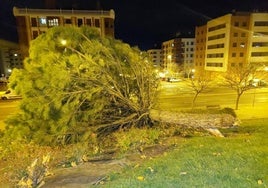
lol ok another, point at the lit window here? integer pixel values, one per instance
(42, 21)
(53, 22)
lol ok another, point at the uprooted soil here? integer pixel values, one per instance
(96, 170)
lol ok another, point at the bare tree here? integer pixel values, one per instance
(198, 85)
(239, 79)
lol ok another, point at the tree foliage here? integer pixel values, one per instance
(87, 84)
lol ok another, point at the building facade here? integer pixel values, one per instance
(33, 22)
(236, 39)
(10, 58)
(155, 55)
(178, 55)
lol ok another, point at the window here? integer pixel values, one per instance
(52, 21)
(215, 46)
(241, 54)
(233, 54)
(243, 34)
(234, 44)
(88, 22)
(215, 55)
(97, 23)
(35, 34)
(68, 21)
(256, 54)
(235, 34)
(214, 64)
(106, 24)
(260, 44)
(244, 24)
(216, 37)
(34, 22)
(236, 24)
(79, 22)
(42, 21)
(260, 34)
(217, 27)
(261, 23)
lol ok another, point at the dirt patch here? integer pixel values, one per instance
(96, 170)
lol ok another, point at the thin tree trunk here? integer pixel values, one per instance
(193, 101)
(237, 100)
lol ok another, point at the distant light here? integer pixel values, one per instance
(43, 21)
(63, 42)
(15, 55)
(9, 70)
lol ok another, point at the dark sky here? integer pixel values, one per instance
(142, 23)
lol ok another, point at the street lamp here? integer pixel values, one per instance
(193, 71)
(63, 42)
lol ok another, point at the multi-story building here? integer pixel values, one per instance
(258, 39)
(235, 39)
(10, 58)
(200, 48)
(178, 55)
(188, 46)
(33, 22)
(155, 55)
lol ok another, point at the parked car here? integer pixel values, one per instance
(9, 94)
(174, 79)
(257, 83)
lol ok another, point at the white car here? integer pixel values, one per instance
(9, 94)
(174, 79)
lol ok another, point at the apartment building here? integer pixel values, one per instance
(231, 40)
(10, 58)
(33, 22)
(155, 55)
(200, 48)
(188, 46)
(178, 55)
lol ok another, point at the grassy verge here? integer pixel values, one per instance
(238, 160)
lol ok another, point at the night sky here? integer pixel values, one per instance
(142, 23)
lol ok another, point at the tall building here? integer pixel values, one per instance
(231, 40)
(33, 22)
(10, 58)
(188, 46)
(155, 55)
(178, 55)
(200, 48)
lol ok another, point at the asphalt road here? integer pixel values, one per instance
(177, 95)
(7, 107)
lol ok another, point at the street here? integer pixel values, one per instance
(7, 107)
(178, 95)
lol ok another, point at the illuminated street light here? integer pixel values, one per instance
(63, 42)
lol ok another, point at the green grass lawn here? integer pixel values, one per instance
(238, 160)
